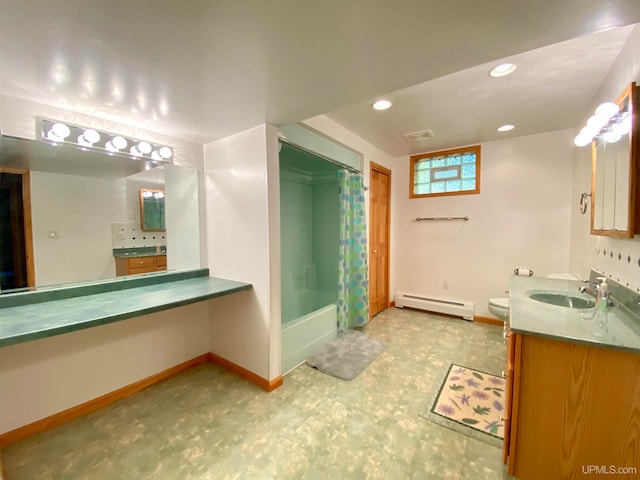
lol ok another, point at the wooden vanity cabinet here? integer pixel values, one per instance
(135, 265)
(510, 339)
(573, 408)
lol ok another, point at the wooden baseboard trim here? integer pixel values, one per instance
(392, 304)
(59, 418)
(489, 320)
(248, 375)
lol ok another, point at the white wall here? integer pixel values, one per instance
(46, 376)
(617, 258)
(182, 218)
(520, 219)
(81, 210)
(243, 232)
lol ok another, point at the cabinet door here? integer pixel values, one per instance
(514, 347)
(161, 262)
(510, 339)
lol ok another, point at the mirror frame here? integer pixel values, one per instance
(143, 226)
(633, 185)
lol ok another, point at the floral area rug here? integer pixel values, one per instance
(470, 402)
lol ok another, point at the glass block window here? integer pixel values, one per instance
(449, 172)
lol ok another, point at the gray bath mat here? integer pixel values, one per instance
(346, 356)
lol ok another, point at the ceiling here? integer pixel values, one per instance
(204, 69)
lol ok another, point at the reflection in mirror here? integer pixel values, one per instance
(85, 206)
(152, 210)
(613, 179)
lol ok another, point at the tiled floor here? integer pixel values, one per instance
(208, 424)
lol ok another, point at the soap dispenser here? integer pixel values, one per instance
(600, 321)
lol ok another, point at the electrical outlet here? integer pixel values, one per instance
(446, 284)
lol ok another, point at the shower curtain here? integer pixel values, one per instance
(353, 282)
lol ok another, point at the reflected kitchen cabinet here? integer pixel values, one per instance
(135, 265)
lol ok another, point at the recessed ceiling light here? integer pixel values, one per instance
(502, 70)
(382, 104)
(506, 128)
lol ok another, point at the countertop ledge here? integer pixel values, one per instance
(24, 323)
(530, 317)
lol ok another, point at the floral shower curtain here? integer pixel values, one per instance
(353, 280)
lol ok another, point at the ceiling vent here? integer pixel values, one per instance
(421, 135)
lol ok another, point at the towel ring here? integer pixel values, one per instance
(583, 202)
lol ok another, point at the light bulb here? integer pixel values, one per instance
(382, 105)
(611, 136)
(53, 137)
(596, 122)
(83, 141)
(119, 142)
(582, 140)
(91, 136)
(144, 147)
(588, 131)
(60, 130)
(110, 146)
(135, 152)
(155, 155)
(165, 152)
(502, 70)
(506, 128)
(624, 127)
(607, 110)
(147, 194)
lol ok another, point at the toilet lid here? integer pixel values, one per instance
(499, 302)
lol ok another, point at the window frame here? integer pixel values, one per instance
(414, 159)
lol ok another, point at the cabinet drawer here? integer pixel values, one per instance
(161, 261)
(141, 262)
(133, 271)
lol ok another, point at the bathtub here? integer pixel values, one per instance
(305, 335)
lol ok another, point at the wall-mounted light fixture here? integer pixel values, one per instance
(609, 124)
(53, 131)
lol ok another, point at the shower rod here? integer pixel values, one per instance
(324, 157)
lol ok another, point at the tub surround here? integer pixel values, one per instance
(32, 315)
(531, 317)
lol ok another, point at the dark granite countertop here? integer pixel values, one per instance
(27, 322)
(138, 252)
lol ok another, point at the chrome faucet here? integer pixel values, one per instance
(594, 291)
(590, 291)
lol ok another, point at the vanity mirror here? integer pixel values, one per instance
(615, 162)
(77, 206)
(152, 210)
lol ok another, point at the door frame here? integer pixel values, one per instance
(28, 225)
(385, 171)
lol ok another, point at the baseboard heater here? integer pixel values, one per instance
(437, 305)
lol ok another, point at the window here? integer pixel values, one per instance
(449, 172)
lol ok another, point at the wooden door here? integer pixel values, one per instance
(380, 220)
(16, 254)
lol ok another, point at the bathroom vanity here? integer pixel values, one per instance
(142, 260)
(573, 398)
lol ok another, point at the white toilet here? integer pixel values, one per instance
(500, 306)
